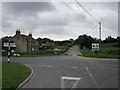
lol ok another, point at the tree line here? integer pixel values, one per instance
(84, 41)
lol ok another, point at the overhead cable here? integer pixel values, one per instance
(86, 11)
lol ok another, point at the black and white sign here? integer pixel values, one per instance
(95, 46)
(6, 44)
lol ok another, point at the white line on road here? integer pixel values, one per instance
(42, 66)
(69, 78)
(48, 66)
(74, 67)
(92, 77)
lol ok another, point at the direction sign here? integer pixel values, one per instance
(12, 45)
(6, 44)
(95, 46)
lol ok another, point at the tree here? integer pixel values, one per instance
(44, 40)
(110, 39)
(118, 41)
(85, 41)
(6, 39)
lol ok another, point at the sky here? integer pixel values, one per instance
(59, 20)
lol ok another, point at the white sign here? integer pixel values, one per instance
(11, 44)
(95, 46)
(6, 45)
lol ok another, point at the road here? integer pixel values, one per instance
(70, 71)
(74, 51)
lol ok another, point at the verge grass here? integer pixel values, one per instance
(13, 74)
(107, 50)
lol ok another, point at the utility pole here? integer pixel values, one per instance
(99, 32)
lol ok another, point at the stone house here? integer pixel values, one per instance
(24, 43)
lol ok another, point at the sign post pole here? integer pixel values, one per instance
(9, 53)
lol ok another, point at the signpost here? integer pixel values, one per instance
(95, 47)
(9, 45)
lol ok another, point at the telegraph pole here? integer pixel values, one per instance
(99, 32)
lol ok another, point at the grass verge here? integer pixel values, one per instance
(106, 51)
(13, 74)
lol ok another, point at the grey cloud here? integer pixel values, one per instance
(28, 8)
(42, 18)
(58, 30)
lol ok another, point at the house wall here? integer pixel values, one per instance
(32, 45)
(21, 44)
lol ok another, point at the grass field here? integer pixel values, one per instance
(106, 51)
(13, 74)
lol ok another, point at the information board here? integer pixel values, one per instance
(95, 46)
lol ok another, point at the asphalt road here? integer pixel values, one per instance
(70, 71)
(74, 51)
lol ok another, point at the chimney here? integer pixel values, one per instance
(30, 34)
(18, 32)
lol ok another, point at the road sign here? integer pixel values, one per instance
(12, 45)
(6, 44)
(95, 46)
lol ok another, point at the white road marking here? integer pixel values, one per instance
(74, 67)
(42, 66)
(45, 66)
(49, 66)
(92, 77)
(75, 85)
(69, 78)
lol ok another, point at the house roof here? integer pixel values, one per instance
(27, 37)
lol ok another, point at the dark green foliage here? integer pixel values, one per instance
(44, 40)
(110, 39)
(85, 41)
(6, 39)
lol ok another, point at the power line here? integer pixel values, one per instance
(88, 14)
(93, 28)
(71, 8)
(68, 6)
(86, 11)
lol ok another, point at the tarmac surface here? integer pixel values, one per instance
(70, 71)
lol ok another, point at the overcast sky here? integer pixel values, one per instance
(57, 21)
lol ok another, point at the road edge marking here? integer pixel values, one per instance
(26, 80)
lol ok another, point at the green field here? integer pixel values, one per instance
(13, 74)
(108, 50)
